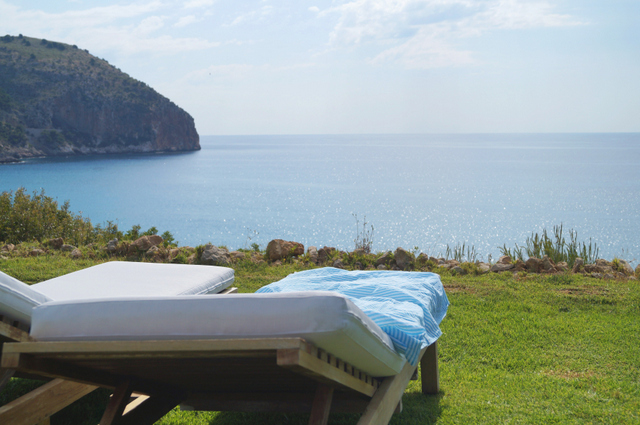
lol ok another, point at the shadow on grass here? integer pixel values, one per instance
(418, 409)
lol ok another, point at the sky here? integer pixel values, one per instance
(365, 66)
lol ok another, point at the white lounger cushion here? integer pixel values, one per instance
(130, 279)
(326, 319)
(115, 279)
(17, 299)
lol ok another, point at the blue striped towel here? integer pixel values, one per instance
(408, 306)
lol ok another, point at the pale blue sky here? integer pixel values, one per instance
(366, 66)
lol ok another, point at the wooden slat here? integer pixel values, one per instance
(12, 333)
(321, 405)
(303, 362)
(386, 399)
(42, 402)
(429, 371)
(176, 348)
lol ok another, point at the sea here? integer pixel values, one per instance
(425, 193)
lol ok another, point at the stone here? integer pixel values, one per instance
(458, 270)
(325, 253)
(313, 254)
(236, 255)
(596, 275)
(55, 243)
(8, 247)
(36, 252)
(76, 253)
(386, 258)
(484, 268)
(381, 267)
(212, 255)
(173, 253)
(403, 258)
(593, 268)
(422, 258)
(519, 266)
(609, 276)
(145, 242)
(112, 245)
(626, 267)
(533, 264)
(359, 251)
(358, 266)
(67, 248)
(279, 249)
(505, 259)
(499, 267)
(562, 266)
(338, 264)
(638, 270)
(578, 265)
(602, 263)
(548, 265)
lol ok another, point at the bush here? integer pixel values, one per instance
(25, 217)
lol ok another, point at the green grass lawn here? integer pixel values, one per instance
(516, 349)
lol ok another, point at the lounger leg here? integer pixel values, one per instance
(386, 399)
(321, 405)
(429, 370)
(116, 406)
(36, 406)
(5, 376)
(149, 410)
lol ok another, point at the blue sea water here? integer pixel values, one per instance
(425, 191)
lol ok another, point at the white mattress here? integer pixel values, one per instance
(17, 299)
(115, 279)
(131, 279)
(326, 319)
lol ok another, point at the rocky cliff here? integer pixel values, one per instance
(56, 99)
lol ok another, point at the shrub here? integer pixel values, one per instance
(25, 217)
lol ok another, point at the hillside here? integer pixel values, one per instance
(57, 99)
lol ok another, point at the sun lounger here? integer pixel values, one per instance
(311, 351)
(113, 279)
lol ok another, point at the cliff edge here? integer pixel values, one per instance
(56, 99)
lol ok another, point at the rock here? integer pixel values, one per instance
(458, 270)
(8, 247)
(112, 245)
(67, 248)
(324, 254)
(602, 263)
(359, 251)
(609, 276)
(338, 264)
(279, 249)
(36, 252)
(638, 270)
(533, 265)
(215, 256)
(547, 265)
(55, 243)
(592, 268)
(381, 267)
(358, 266)
(313, 254)
(499, 267)
(505, 259)
(626, 267)
(562, 266)
(453, 263)
(145, 242)
(578, 265)
(519, 266)
(422, 258)
(386, 258)
(484, 268)
(236, 255)
(403, 258)
(596, 275)
(173, 253)
(434, 260)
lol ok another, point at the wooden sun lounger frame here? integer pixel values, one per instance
(260, 374)
(36, 407)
